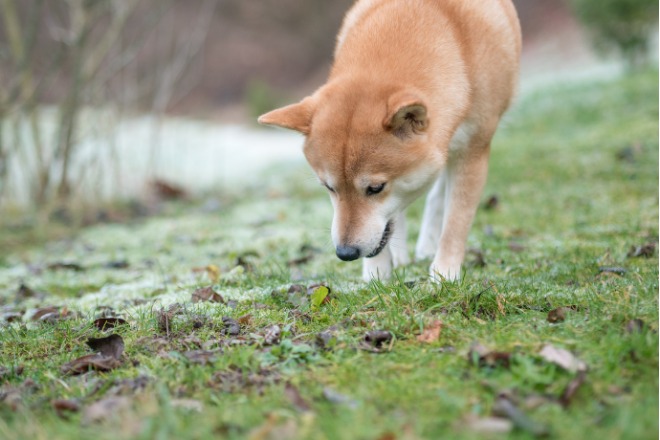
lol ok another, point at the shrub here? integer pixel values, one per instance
(622, 26)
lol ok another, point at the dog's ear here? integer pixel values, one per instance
(296, 117)
(406, 115)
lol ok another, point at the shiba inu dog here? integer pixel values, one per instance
(412, 101)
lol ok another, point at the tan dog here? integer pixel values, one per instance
(413, 99)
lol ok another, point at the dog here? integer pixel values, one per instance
(414, 96)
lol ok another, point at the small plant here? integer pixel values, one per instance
(623, 26)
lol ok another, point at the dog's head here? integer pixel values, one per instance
(370, 147)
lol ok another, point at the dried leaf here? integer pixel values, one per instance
(95, 361)
(293, 394)
(111, 346)
(644, 251)
(557, 315)
(109, 322)
(45, 312)
(64, 406)
(484, 357)
(563, 358)
(202, 357)
(377, 338)
(431, 333)
(207, 294)
(232, 328)
(572, 388)
(245, 319)
(505, 408)
(272, 335)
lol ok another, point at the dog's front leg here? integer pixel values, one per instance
(431, 227)
(379, 267)
(466, 177)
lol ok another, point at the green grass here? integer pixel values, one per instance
(575, 171)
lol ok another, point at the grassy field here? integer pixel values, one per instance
(551, 333)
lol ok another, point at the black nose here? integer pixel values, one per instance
(348, 253)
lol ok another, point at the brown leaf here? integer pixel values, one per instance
(635, 326)
(109, 322)
(491, 203)
(45, 312)
(377, 338)
(25, 292)
(431, 333)
(644, 251)
(563, 358)
(207, 294)
(557, 315)
(295, 398)
(64, 406)
(484, 357)
(245, 319)
(572, 388)
(167, 190)
(111, 346)
(95, 361)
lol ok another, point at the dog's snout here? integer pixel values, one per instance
(348, 253)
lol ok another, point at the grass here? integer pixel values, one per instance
(575, 173)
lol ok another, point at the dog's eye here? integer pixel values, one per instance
(329, 187)
(375, 189)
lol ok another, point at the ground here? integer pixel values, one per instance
(233, 319)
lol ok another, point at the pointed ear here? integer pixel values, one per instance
(406, 115)
(296, 117)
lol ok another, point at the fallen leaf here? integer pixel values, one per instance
(207, 294)
(245, 319)
(644, 251)
(337, 398)
(318, 296)
(45, 312)
(563, 358)
(484, 357)
(232, 328)
(167, 190)
(95, 361)
(106, 409)
(635, 326)
(557, 315)
(202, 357)
(24, 292)
(11, 398)
(272, 335)
(573, 386)
(64, 406)
(111, 346)
(431, 333)
(109, 322)
(503, 407)
(491, 203)
(488, 425)
(293, 394)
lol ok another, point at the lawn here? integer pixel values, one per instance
(234, 319)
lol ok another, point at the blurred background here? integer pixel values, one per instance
(106, 100)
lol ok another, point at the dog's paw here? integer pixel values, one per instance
(440, 273)
(378, 267)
